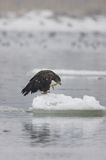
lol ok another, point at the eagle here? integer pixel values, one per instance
(42, 81)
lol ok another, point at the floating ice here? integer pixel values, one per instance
(62, 102)
(4, 108)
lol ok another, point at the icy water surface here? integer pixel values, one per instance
(28, 137)
(24, 135)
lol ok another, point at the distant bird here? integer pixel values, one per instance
(42, 81)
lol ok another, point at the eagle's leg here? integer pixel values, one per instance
(45, 92)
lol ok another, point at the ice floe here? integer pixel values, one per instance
(53, 101)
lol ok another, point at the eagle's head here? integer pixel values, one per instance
(57, 79)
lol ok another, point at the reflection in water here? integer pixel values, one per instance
(37, 134)
(62, 131)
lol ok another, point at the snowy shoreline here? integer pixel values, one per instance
(49, 21)
(48, 28)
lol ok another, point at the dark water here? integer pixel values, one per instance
(25, 136)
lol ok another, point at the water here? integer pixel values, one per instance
(24, 135)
